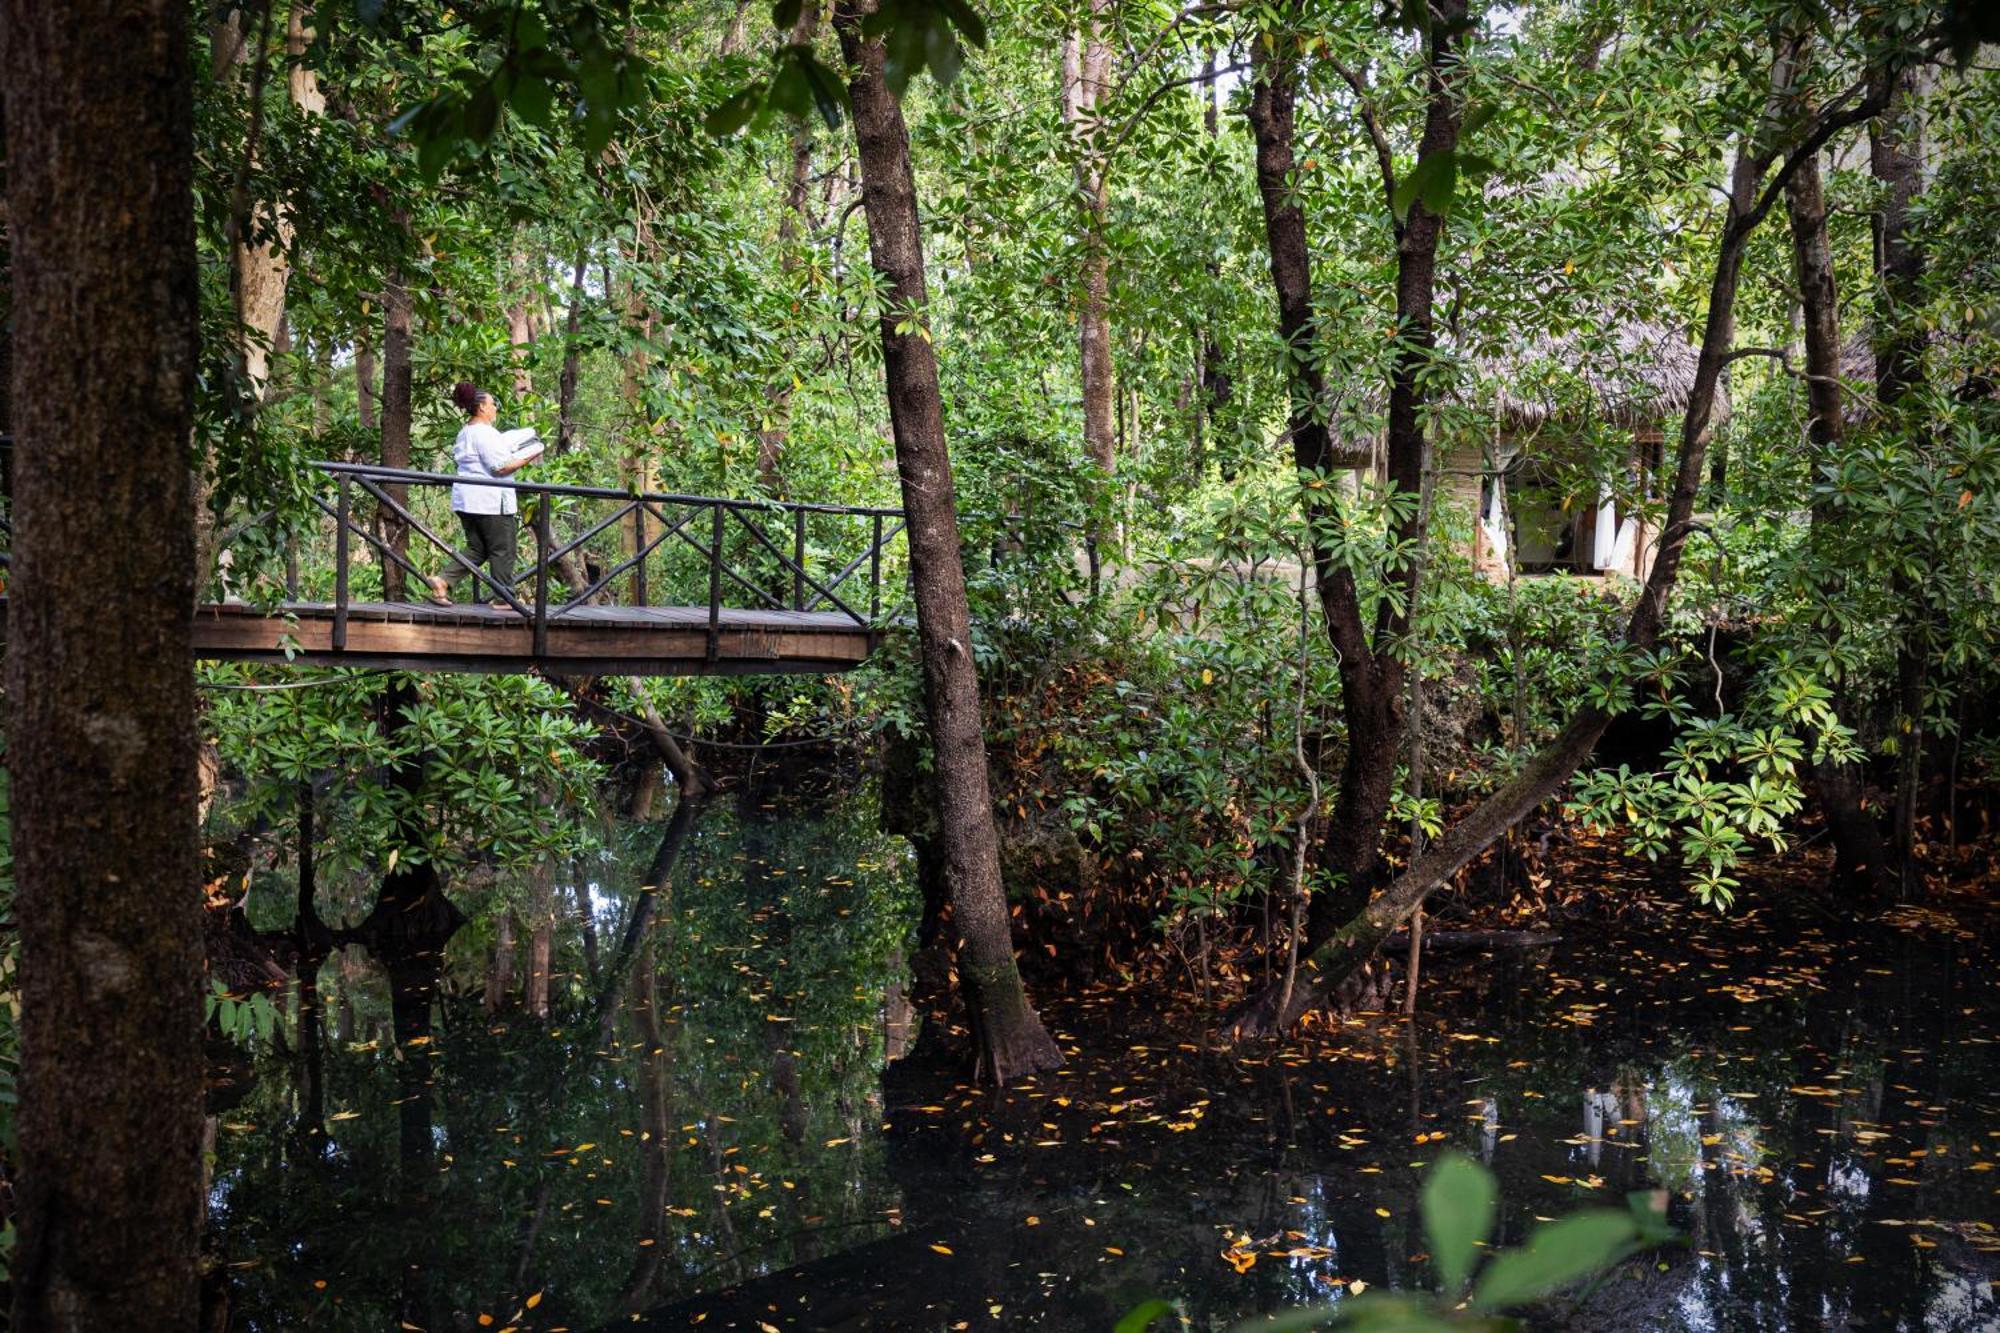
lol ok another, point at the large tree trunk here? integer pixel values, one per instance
(1895, 157)
(6, 324)
(396, 414)
(1750, 198)
(1008, 1035)
(1860, 859)
(101, 735)
(1086, 82)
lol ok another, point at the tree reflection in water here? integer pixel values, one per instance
(701, 1131)
(654, 1134)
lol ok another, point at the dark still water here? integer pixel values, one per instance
(700, 1136)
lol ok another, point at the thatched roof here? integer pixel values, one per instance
(1634, 373)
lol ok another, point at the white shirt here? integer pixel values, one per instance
(481, 451)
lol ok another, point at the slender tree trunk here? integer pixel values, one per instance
(396, 414)
(737, 34)
(1008, 1035)
(771, 436)
(1086, 81)
(636, 468)
(262, 258)
(693, 780)
(365, 393)
(1211, 372)
(520, 330)
(245, 38)
(1895, 156)
(654, 1077)
(500, 966)
(572, 366)
(541, 942)
(1860, 859)
(1335, 958)
(101, 737)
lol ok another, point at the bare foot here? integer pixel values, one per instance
(440, 592)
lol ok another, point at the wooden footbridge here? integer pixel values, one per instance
(620, 582)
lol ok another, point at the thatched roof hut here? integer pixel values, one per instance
(1629, 375)
(1634, 373)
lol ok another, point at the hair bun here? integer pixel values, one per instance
(466, 394)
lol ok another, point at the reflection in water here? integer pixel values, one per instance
(702, 1130)
(707, 1110)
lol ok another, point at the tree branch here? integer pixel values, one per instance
(1132, 122)
(1385, 158)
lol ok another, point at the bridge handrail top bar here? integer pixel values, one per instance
(392, 474)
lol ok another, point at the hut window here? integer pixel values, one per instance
(1552, 533)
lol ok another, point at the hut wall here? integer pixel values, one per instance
(1461, 490)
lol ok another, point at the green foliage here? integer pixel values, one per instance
(243, 1019)
(712, 304)
(1458, 1204)
(506, 777)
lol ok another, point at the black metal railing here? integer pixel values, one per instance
(615, 548)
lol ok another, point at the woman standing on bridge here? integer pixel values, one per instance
(489, 514)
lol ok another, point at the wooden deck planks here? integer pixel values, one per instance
(652, 640)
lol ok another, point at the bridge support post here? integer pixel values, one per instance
(343, 509)
(875, 574)
(798, 560)
(542, 576)
(715, 584)
(639, 547)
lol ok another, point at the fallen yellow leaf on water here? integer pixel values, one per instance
(344, 1115)
(1381, 1212)
(835, 1143)
(941, 1249)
